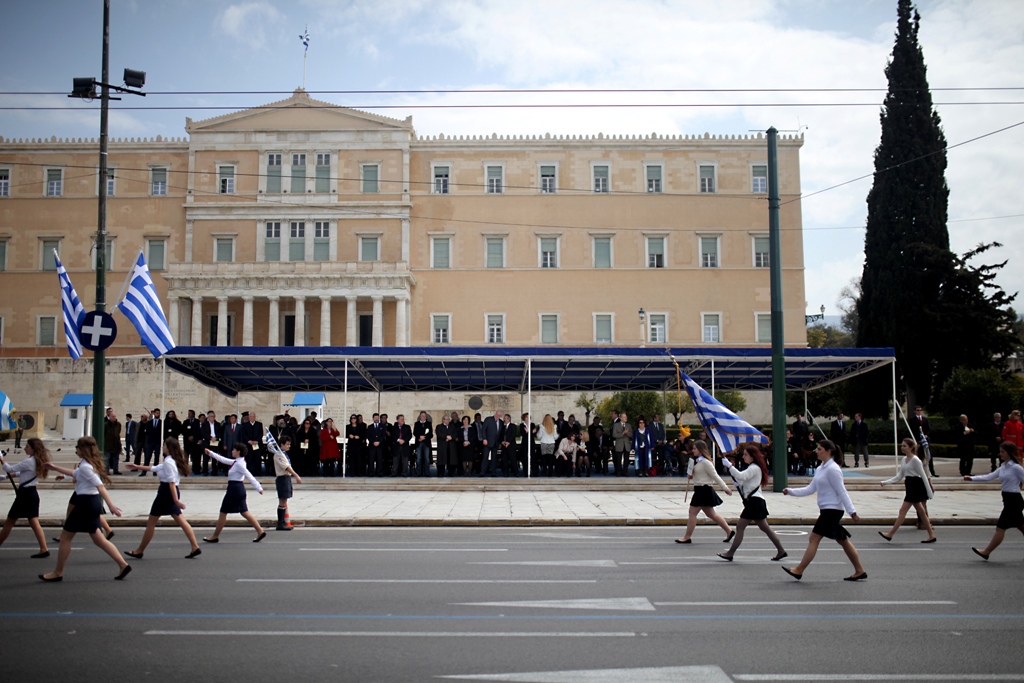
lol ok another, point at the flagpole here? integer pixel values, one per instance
(344, 412)
(163, 390)
(128, 278)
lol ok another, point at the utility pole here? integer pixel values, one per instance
(779, 455)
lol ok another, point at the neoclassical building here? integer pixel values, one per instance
(302, 223)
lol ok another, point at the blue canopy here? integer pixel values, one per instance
(234, 369)
(76, 401)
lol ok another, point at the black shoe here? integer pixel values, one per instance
(52, 579)
(194, 554)
(731, 534)
(780, 556)
(260, 537)
(110, 535)
(859, 577)
(132, 553)
(689, 540)
(124, 572)
(793, 574)
(975, 550)
(725, 557)
(142, 474)
(39, 556)
(888, 538)
(211, 540)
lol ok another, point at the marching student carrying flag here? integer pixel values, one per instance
(71, 306)
(726, 428)
(141, 306)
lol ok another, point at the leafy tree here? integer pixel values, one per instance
(679, 405)
(824, 402)
(588, 403)
(827, 336)
(906, 240)
(978, 393)
(633, 403)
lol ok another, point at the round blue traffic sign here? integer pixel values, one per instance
(98, 330)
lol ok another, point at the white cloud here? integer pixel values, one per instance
(248, 23)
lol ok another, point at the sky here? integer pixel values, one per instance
(197, 51)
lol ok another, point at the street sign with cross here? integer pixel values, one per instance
(98, 330)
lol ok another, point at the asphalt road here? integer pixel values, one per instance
(514, 604)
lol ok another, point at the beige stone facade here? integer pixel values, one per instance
(301, 223)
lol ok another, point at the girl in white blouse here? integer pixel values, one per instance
(749, 483)
(1011, 478)
(234, 499)
(89, 477)
(918, 488)
(26, 500)
(167, 502)
(704, 497)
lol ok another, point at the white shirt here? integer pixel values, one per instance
(545, 435)
(167, 471)
(1011, 476)
(26, 471)
(87, 482)
(912, 467)
(828, 484)
(704, 474)
(567, 448)
(238, 470)
(748, 481)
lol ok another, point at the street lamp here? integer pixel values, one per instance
(85, 88)
(643, 331)
(808, 319)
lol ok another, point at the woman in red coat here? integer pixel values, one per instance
(329, 452)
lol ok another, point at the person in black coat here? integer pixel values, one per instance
(154, 439)
(191, 433)
(401, 447)
(529, 452)
(447, 454)
(994, 437)
(251, 433)
(375, 447)
(307, 441)
(467, 440)
(422, 435)
(837, 432)
(510, 448)
(859, 439)
(965, 440)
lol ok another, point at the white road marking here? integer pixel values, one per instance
(630, 604)
(670, 674)
(402, 634)
(555, 563)
(566, 535)
(809, 602)
(428, 581)
(710, 560)
(879, 677)
(406, 550)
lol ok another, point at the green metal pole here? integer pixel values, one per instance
(779, 459)
(99, 361)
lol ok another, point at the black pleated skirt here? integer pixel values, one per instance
(705, 497)
(234, 499)
(85, 515)
(26, 503)
(164, 503)
(829, 525)
(754, 509)
(1012, 515)
(916, 491)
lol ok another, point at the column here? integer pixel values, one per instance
(222, 321)
(400, 324)
(247, 320)
(378, 320)
(273, 326)
(173, 318)
(325, 321)
(351, 318)
(300, 321)
(197, 321)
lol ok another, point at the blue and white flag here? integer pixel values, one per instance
(725, 427)
(305, 39)
(6, 408)
(74, 312)
(141, 306)
(273, 446)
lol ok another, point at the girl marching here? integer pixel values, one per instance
(1011, 477)
(832, 500)
(234, 499)
(918, 488)
(84, 517)
(169, 471)
(749, 483)
(26, 500)
(704, 497)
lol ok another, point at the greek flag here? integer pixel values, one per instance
(6, 408)
(727, 429)
(141, 306)
(273, 446)
(305, 39)
(71, 306)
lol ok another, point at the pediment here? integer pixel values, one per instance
(299, 112)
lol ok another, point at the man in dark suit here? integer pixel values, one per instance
(657, 430)
(529, 454)
(921, 428)
(153, 443)
(251, 433)
(232, 435)
(213, 438)
(493, 426)
(509, 449)
(837, 433)
(422, 435)
(446, 460)
(202, 442)
(191, 434)
(375, 437)
(131, 432)
(401, 447)
(859, 435)
(599, 449)
(994, 437)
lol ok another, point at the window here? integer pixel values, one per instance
(655, 252)
(369, 248)
(441, 252)
(654, 178)
(495, 252)
(46, 334)
(761, 250)
(156, 254)
(227, 179)
(158, 182)
(658, 332)
(108, 253)
(48, 247)
(111, 184)
(322, 184)
(54, 182)
(708, 252)
(297, 241)
(495, 328)
(214, 323)
(709, 322)
(549, 329)
(441, 324)
(272, 242)
(764, 327)
(371, 178)
(547, 179)
(602, 252)
(548, 252)
(707, 178)
(603, 328)
(441, 176)
(601, 177)
(495, 179)
(3, 255)
(759, 179)
(5, 182)
(298, 171)
(274, 173)
(224, 249)
(322, 241)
